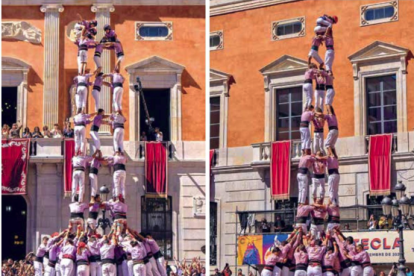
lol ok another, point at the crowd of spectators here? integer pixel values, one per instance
(56, 132)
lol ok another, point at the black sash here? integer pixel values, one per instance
(314, 47)
(327, 268)
(108, 261)
(334, 219)
(119, 167)
(117, 84)
(118, 125)
(269, 267)
(303, 170)
(279, 265)
(157, 255)
(82, 84)
(80, 124)
(135, 262)
(76, 215)
(51, 263)
(317, 221)
(314, 262)
(318, 176)
(320, 86)
(318, 130)
(119, 215)
(94, 258)
(302, 267)
(94, 128)
(93, 215)
(345, 263)
(97, 54)
(94, 171)
(355, 263)
(120, 54)
(304, 124)
(79, 169)
(364, 265)
(82, 262)
(308, 81)
(329, 87)
(95, 87)
(333, 127)
(301, 219)
(333, 171)
(83, 47)
(329, 47)
(39, 259)
(146, 260)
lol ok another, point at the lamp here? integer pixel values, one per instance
(395, 208)
(405, 203)
(386, 206)
(400, 189)
(104, 191)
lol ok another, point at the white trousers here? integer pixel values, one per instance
(82, 58)
(78, 180)
(117, 98)
(329, 59)
(356, 270)
(80, 138)
(319, 98)
(139, 270)
(57, 269)
(38, 268)
(119, 182)
(328, 273)
(285, 271)
(318, 183)
(81, 96)
(130, 265)
(92, 223)
(346, 272)
(119, 139)
(315, 55)
(331, 138)
(308, 91)
(94, 268)
(304, 227)
(66, 267)
(154, 266)
(96, 140)
(50, 271)
(97, 61)
(301, 273)
(314, 271)
(45, 262)
(75, 222)
(333, 187)
(93, 179)
(320, 29)
(316, 231)
(368, 271)
(331, 226)
(330, 94)
(160, 265)
(277, 271)
(303, 187)
(148, 270)
(95, 95)
(83, 270)
(266, 272)
(318, 142)
(305, 137)
(108, 270)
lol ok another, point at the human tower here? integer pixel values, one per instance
(85, 252)
(318, 251)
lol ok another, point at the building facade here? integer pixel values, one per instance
(259, 53)
(39, 62)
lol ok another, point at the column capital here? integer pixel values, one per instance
(102, 8)
(52, 8)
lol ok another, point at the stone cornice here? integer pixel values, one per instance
(109, 2)
(224, 7)
(102, 8)
(51, 8)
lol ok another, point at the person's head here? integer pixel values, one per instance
(79, 111)
(97, 198)
(359, 248)
(93, 32)
(121, 198)
(44, 240)
(239, 271)
(116, 70)
(216, 270)
(143, 235)
(264, 220)
(45, 128)
(56, 126)
(334, 19)
(148, 235)
(70, 241)
(14, 126)
(10, 261)
(157, 129)
(37, 129)
(76, 198)
(278, 218)
(6, 127)
(372, 216)
(276, 251)
(319, 153)
(313, 66)
(26, 130)
(134, 243)
(319, 200)
(382, 273)
(330, 249)
(407, 270)
(302, 248)
(89, 35)
(92, 239)
(283, 243)
(349, 240)
(93, 23)
(100, 74)
(101, 111)
(318, 242)
(318, 109)
(107, 28)
(203, 270)
(143, 133)
(347, 226)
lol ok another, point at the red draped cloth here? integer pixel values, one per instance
(379, 164)
(280, 170)
(14, 161)
(69, 152)
(212, 157)
(156, 170)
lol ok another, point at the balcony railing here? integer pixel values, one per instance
(264, 150)
(394, 146)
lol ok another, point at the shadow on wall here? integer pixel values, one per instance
(33, 79)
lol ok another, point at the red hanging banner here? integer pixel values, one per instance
(379, 164)
(280, 170)
(156, 170)
(69, 152)
(14, 159)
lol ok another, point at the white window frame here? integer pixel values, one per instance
(15, 74)
(284, 72)
(221, 44)
(168, 24)
(375, 60)
(365, 8)
(219, 87)
(275, 24)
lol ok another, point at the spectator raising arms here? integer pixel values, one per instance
(372, 223)
(5, 131)
(15, 130)
(46, 132)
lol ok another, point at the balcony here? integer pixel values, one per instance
(52, 149)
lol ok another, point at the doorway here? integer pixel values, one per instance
(158, 103)
(9, 105)
(14, 222)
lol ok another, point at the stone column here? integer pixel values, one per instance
(103, 16)
(51, 64)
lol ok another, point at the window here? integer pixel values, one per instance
(216, 40)
(156, 219)
(214, 122)
(9, 105)
(379, 13)
(153, 31)
(381, 104)
(374, 208)
(289, 28)
(289, 110)
(213, 233)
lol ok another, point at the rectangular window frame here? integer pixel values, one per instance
(275, 24)
(220, 34)
(365, 8)
(290, 105)
(382, 106)
(168, 24)
(219, 124)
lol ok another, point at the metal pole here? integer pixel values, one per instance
(401, 261)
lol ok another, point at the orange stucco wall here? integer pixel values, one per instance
(248, 48)
(187, 48)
